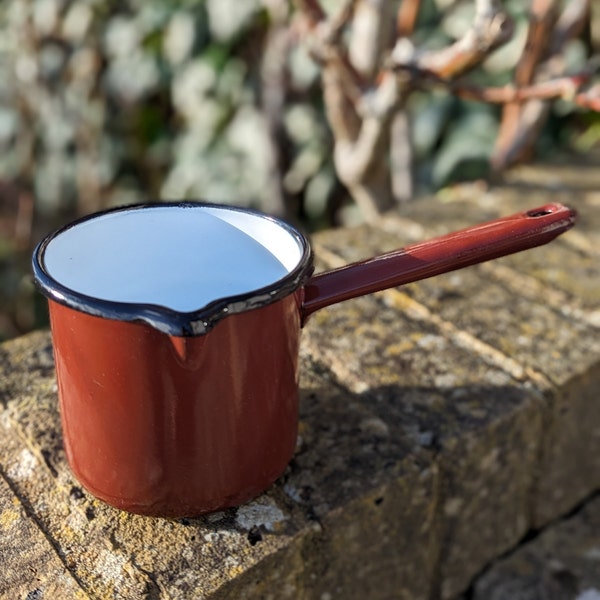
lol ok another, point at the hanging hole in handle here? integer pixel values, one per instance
(540, 212)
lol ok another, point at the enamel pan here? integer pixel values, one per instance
(176, 330)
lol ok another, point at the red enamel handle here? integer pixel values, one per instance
(440, 255)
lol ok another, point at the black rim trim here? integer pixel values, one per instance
(165, 319)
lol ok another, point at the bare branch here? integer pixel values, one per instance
(340, 20)
(358, 156)
(562, 87)
(589, 99)
(566, 87)
(362, 106)
(570, 24)
(313, 10)
(401, 150)
(329, 29)
(273, 73)
(372, 35)
(542, 19)
(342, 84)
(521, 125)
(359, 116)
(531, 119)
(325, 47)
(492, 28)
(406, 18)
(340, 106)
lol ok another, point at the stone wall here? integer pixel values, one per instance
(440, 424)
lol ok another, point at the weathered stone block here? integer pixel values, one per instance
(483, 427)
(562, 562)
(31, 566)
(439, 423)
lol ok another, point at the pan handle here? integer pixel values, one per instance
(455, 250)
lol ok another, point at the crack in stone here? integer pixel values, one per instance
(33, 518)
(529, 537)
(153, 589)
(42, 459)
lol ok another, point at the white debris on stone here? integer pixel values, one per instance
(292, 492)
(432, 342)
(110, 566)
(262, 512)
(447, 380)
(24, 466)
(375, 426)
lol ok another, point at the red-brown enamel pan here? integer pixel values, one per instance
(176, 331)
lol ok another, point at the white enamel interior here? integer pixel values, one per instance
(180, 257)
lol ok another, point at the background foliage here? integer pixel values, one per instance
(106, 102)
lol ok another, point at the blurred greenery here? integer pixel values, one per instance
(104, 103)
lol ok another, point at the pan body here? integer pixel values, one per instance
(178, 426)
(175, 330)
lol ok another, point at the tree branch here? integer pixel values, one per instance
(570, 24)
(542, 19)
(589, 99)
(361, 106)
(358, 113)
(562, 87)
(313, 10)
(521, 125)
(566, 87)
(492, 28)
(406, 18)
(372, 35)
